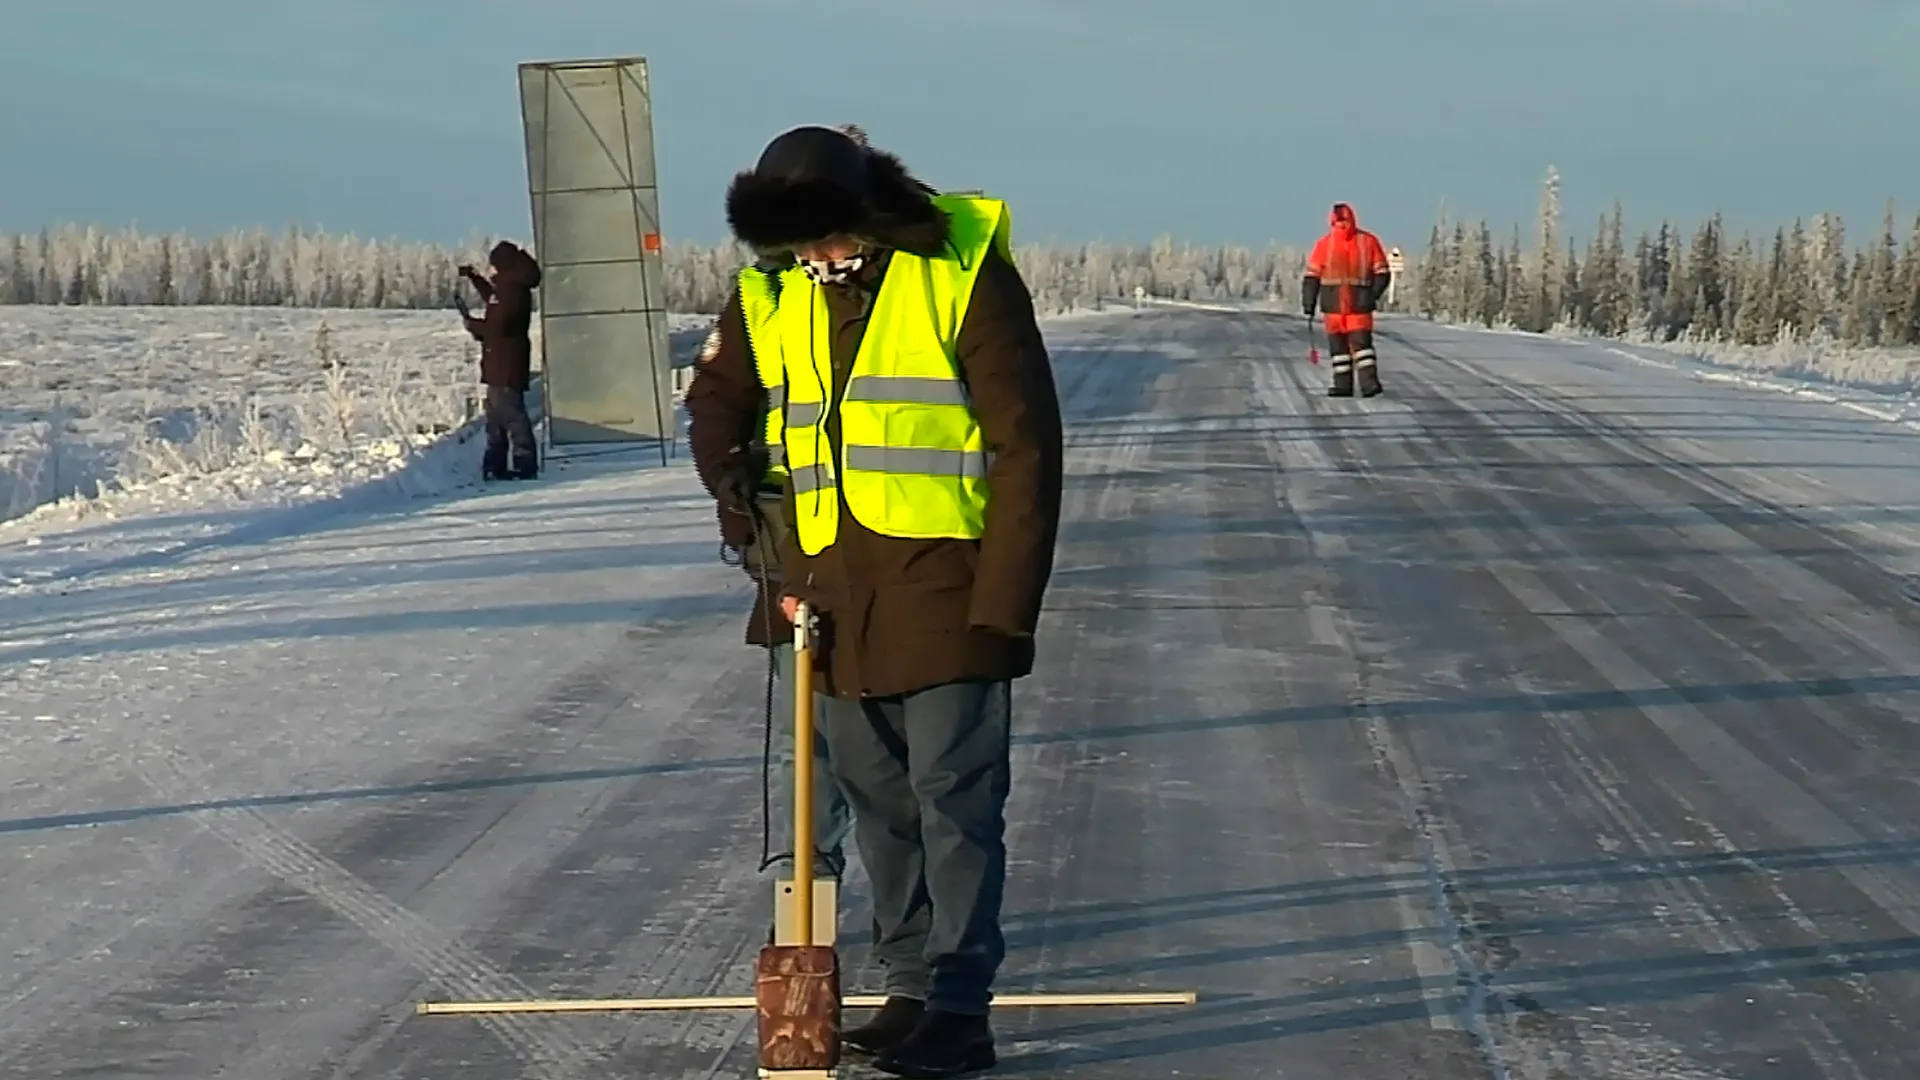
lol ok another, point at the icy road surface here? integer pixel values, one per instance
(1551, 718)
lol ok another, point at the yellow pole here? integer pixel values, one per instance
(856, 1001)
(803, 771)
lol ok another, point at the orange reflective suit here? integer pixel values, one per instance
(1347, 274)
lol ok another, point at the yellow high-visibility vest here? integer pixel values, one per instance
(758, 308)
(913, 462)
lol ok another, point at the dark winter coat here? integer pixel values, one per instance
(504, 329)
(726, 406)
(901, 615)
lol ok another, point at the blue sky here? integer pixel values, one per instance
(1213, 120)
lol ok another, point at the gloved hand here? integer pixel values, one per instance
(736, 528)
(739, 480)
(737, 488)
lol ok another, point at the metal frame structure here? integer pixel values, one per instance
(543, 85)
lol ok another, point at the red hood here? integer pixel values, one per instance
(1343, 220)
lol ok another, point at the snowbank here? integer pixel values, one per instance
(1886, 371)
(102, 398)
(127, 525)
(1788, 363)
(97, 400)
(110, 414)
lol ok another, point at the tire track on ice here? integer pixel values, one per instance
(573, 914)
(1709, 919)
(1516, 1041)
(1439, 866)
(1788, 805)
(496, 840)
(1044, 824)
(451, 964)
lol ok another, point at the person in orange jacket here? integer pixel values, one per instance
(1347, 274)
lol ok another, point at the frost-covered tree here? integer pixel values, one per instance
(20, 280)
(1549, 300)
(1673, 280)
(305, 268)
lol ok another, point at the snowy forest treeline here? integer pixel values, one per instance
(1670, 281)
(1674, 282)
(88, 265)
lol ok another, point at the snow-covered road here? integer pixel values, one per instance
(1550, 717)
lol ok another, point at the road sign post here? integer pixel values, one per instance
(1396, 265)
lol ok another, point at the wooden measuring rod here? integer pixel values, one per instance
(797, 992)
(796, 985)
(851, 1001)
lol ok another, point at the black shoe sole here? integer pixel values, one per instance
(980, 1060)
(866, 1052)
(870, 1051)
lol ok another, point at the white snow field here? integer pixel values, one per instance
(1550, 716)
(158, 412)
(1883, 383)
(1886, 371)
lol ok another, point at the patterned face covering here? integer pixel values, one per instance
(833, 271)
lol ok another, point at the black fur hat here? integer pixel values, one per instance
(815, 182)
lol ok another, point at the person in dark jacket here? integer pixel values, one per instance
(506, 358)
(927, 563)
(727, 405)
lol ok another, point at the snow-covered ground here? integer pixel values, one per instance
(1880, 382)
(1893, 372)
(119, 412)
(1789, 363)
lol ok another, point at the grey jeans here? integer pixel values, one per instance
(832, 820)
(927, 774)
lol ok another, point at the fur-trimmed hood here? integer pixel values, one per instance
(815, 182)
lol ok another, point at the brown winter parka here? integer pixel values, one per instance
(901, 615)
(726, 406)
(504, 330)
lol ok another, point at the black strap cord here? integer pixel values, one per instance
(769, 596)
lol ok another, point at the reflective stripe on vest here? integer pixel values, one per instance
(913, 461)
(758, 309)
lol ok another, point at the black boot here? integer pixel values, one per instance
(1342, 383)
(944, 1045)
(889, 1027)
(1369, 380)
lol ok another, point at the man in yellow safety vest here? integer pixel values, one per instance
(922, 438)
